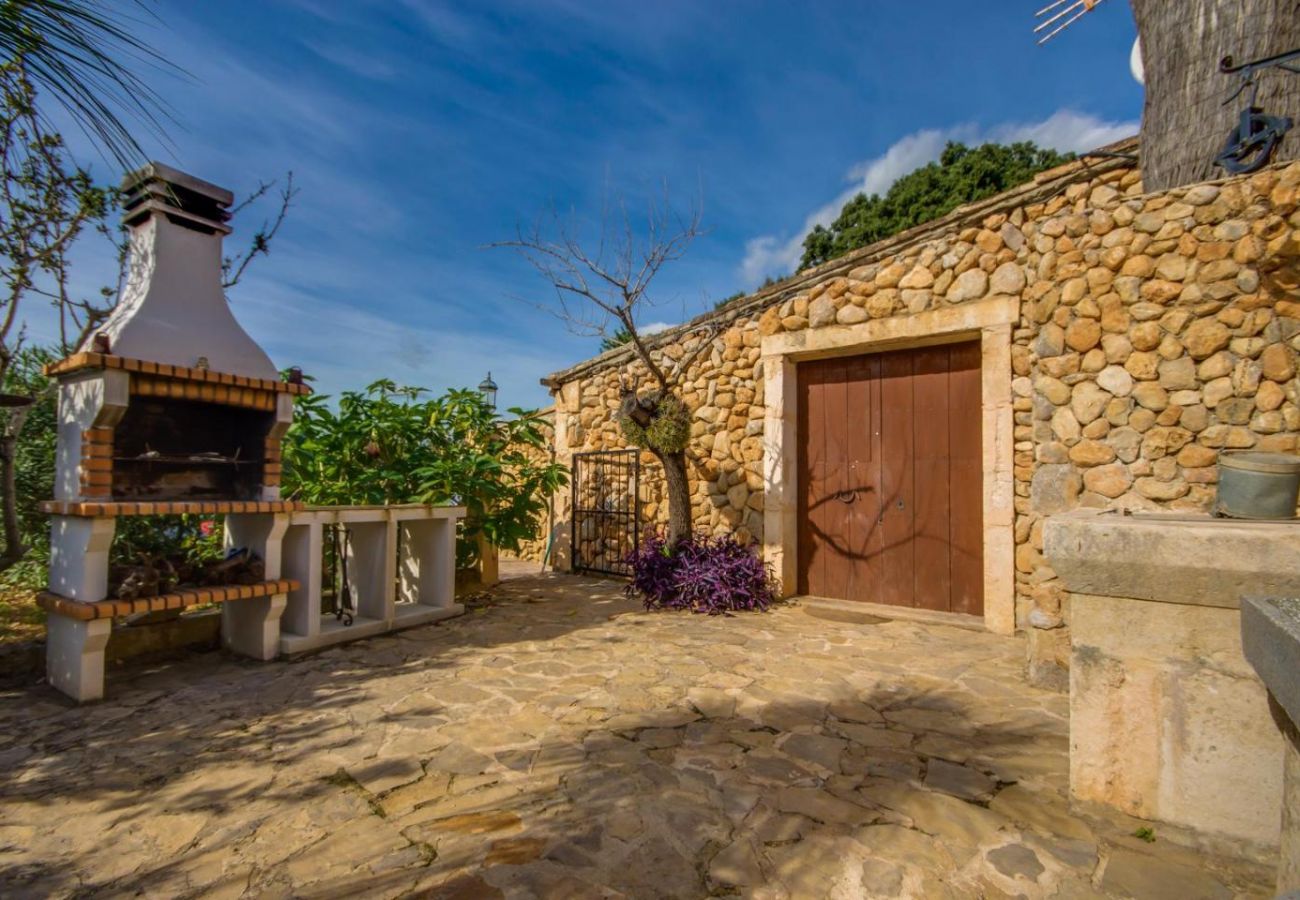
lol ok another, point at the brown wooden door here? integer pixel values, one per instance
(890, 478)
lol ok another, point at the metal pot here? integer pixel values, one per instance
(1257, 485)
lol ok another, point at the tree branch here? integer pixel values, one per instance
(233, 268)
(613, 281)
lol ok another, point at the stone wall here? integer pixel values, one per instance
(1154, 331)
(535, 547)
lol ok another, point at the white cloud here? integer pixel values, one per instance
(1064, 130)
(655, 327)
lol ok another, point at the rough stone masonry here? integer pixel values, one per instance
(1153, 331)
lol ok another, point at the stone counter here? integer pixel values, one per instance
(1168, 721)
(1270, 636)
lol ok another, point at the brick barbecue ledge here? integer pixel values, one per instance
(58, 605)
(97, 510)
(91, 360)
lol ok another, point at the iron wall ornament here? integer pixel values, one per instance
(1250, 145)
(343, 606)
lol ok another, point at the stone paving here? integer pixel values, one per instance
(559, 742)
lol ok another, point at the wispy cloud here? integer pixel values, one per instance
(366, 65)
(1065, 130)
(340, 343)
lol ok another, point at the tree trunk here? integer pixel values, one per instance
(13, 548)
(1184, 121)
(679, 495)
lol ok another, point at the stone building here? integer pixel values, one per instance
(1071, 343)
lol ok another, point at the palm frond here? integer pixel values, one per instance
(80, 53)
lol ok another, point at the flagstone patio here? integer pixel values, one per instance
(559, 742)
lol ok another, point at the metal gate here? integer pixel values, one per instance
(606, 510)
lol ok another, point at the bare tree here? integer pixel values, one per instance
(233, 267)
(606, 288)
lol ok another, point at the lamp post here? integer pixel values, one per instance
(489, 573)
(488, 388)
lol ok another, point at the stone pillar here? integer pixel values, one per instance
(1270, 637)
(372, 568)
(568, 403)
(74, 649)
(1168, 721)
(252, 627)
(488, 562)
(1288, 866)
(74, 656)
(79, 557)
(427, 567)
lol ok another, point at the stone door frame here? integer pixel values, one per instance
(991, 322)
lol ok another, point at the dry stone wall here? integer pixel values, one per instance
(1154, 332)
(535, 548)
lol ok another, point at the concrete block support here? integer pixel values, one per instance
(401, 571)
(427, 567)
(302, 556)
(252, 627)
(79, 557)
(74, 656)
(372, 567)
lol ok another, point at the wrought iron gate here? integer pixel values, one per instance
(606, 510)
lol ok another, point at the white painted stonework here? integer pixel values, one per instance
(173, 308)
(395, 583)
(93, 398)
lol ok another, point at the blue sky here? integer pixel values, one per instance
(419, 131)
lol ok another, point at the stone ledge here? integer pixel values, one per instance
(1186, 559)
(1270, 640)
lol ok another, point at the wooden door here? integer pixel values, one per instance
(890, 478)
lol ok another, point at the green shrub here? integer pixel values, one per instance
(388, 444)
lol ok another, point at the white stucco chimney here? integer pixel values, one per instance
(173, 309)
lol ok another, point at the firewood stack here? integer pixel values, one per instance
(154, 575)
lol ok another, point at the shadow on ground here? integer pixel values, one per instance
(559, 742)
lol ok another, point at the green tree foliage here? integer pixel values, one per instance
(389, 444)
(617, 339)
(962, 175)
(33, 462)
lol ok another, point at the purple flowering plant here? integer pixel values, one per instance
(705, 575)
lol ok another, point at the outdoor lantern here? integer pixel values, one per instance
(488, 388)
